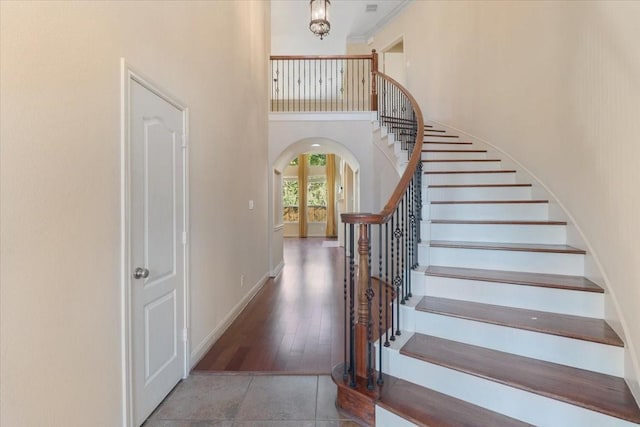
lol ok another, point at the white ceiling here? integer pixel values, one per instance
(350, 22)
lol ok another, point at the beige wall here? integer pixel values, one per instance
(60, 185)
(556, 85)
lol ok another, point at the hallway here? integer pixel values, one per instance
(294, 324)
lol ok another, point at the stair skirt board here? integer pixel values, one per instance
(516, 403)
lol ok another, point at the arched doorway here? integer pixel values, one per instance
(298, 210)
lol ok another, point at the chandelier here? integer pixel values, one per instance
(319, 24)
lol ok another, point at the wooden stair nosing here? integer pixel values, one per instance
(494, 222)
(426, 407)
(598, 392)
(518, 247)
(426, 150)
(481, 171)
(459, 160)
(481, 202)
(563, 325)
(447, 142)
(441, 136)
(555, 281)
(476, 185)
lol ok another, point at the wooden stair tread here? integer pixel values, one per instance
(426, 150)
(565, 325)
(477, 185)
(521, 247)
(446, 142)
(426, 407)
(480, 202)
(495, 222)
(598, 392)
(486, 171)
(557, 281)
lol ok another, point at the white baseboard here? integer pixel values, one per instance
(205, 345)
(277, 269)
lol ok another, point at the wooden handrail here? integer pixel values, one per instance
(298, 57)
(416, 157)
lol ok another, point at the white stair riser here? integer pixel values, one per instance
(533, 262)
(506, 233)
(461, 166)
(435, 137)
(418, 283)
(449, 145)
(529, 407)
(588, 355)
(476, 193)
(386, 418)
(577, 303)
(452, 155)
(469, 178)
(489, 211)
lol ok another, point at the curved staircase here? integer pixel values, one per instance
(502, 328)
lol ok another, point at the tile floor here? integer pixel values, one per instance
(221, 400)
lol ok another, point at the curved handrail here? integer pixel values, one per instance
(416, 157)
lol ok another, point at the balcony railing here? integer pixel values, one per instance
(323, 83)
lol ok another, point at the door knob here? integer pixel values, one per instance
(141, 273)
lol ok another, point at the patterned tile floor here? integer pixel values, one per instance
(246, 400)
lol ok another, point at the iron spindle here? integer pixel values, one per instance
(380, 313)
(386, 282)
(352, 323)
(369, 294)
(345, 371)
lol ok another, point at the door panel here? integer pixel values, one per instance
(157, 222)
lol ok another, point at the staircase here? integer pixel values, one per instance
(502, 328)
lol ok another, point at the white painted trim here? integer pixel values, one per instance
(277, 269)
(399, 38)
(205, 345)
(127, 73)
(278, 227)
(381, 24)
(323, 117)
(125, 267)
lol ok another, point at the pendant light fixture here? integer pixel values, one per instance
(319, 24)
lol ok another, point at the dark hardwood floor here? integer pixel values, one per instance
(295, 323)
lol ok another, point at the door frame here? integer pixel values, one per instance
(127, 75)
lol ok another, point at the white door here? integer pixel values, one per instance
(157, 221)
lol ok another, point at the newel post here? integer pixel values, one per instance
(364, 281)
(374, 88)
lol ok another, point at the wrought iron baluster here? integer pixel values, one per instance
(380, 312)
(398, 279)
(352, 320)
(369, 294)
